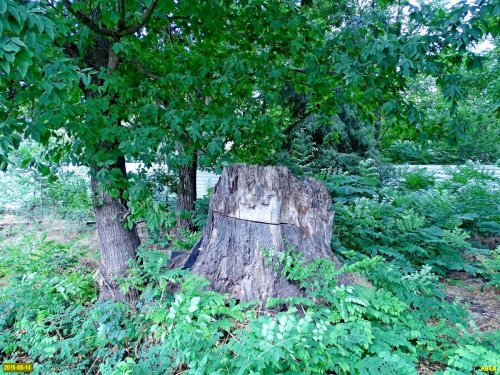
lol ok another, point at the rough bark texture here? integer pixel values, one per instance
(261, 208)
(186, 193)
(117, 244)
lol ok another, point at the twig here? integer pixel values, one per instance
(95, 360)
(118, 33)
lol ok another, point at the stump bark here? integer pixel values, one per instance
(256, 208)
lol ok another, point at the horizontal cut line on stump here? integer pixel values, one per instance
(251, 221)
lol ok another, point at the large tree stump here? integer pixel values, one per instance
(261, 208)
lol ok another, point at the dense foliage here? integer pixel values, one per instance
(185, 88)
(473, 134)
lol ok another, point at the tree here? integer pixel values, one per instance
(365, 59)
(75, 101)
(471, 134)
(117, 80)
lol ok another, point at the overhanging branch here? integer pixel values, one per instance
(144, 18)
(144, 71)
(83, 18)
(122, 29)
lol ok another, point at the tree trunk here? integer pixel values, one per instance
(186, 194)
(118, 245)
(257, 209)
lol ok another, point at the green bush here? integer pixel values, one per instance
(492, 266)
(431, 226)
(45, 295)
(471, 172)
(355, 329)
(478, 146)
(201, 211)
(69, 195)
(65, 194)
(419, 178)
(417, 153)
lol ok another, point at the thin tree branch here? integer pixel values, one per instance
(145, 17)
(297, 70)
(304, 71)
(331, 72)
(144, 71)
(122, 31)
(120, 7)
(51, 5)
(83, 18)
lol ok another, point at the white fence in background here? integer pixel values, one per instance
(440, 171)
(204, 180)
(207, 180)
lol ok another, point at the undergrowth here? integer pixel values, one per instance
(401, 239)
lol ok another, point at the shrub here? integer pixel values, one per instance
(343, 329)
(417, 153)
(69, 195)
(419, 178)
(201, 211)
(65, 194)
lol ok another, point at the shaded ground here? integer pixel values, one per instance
(60, 231)
(482, 301)
(429, 368)
(57, 230)
(491, 242)
(9, 220)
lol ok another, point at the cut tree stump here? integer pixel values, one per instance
(257, 208)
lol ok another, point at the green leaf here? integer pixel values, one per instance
(14, 13)
(40, 25)
(3, 7)
(117, 48)
(194, 304)
(18, 41)
(49, 28)
(85, 79)
(43, 169)
(5, 66)
(25, 162)
(11, 47)
(23, 67)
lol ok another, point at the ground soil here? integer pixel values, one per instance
(482, 301)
